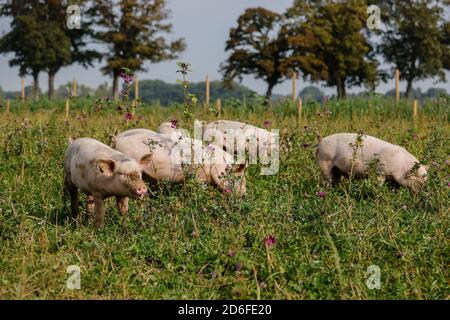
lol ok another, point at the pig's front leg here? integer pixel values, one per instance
(90, 204)
(99, 211)
(381, 179)
(122, 205)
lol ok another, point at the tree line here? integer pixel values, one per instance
(323, 40)
(131, 31)
(329, 41)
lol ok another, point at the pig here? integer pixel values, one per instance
(245, 133)
(166, 128)
(101, 172)
(247, 137)
(157, 155)
(336, 156)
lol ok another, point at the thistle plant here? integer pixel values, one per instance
(189, 99)
(126, 106)
(356, 146)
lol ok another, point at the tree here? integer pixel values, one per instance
(25, 39)
(446, 45)
(261, 45)
(133, 30)
(415, 39)
(65, 46)
(41, 41)
(311, 93)
(339, 42)
(167, 93)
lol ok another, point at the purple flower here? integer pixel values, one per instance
(267, 123)
(322, 194)
(306, 145)
(448, 184)
(270, 240)
(227, 190)
(173, 124)
(325, 99)
(238, 266)
(231, 253)
(124, 92)
(435, 164)
(128, 79)
(128, 116)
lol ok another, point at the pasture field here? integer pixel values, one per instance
(190, 241)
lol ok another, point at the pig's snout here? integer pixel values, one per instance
(141, 192)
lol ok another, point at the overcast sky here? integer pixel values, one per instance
(205, 25)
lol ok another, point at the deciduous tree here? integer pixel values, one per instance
(415, 39)
(262, 45)
(338, 41)
(134, 32)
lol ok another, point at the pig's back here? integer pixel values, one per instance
(341, 145)
(139, 144)
(133, 132)
(87, 149)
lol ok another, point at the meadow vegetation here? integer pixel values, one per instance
(292, 236)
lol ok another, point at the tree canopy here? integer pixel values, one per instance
(339, 41)
(41, 41)
(416, 40)
(134, 32)
(262, 45)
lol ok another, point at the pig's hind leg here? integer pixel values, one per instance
(330, 172)
(74, 198)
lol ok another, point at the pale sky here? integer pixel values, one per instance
(205, 25)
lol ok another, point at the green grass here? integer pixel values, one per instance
(188, 241)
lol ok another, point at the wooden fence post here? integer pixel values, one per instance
(136, 90)
(219, 105)
(207, 93)
(67, 108)
(294, 87)
(300, 107)
(415, 109)
(397, 86)
(74, 88)
(23, 88)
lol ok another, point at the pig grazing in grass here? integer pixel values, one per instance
(166, 128)
(101, 172)
(245, 136)
(241, 136)
(170, 129)
(346, 153)
(165, 157)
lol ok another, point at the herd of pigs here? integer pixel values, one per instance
(136, 155)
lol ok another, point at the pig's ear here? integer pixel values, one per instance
(146, 159)
(239, 168)
(106, 167)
